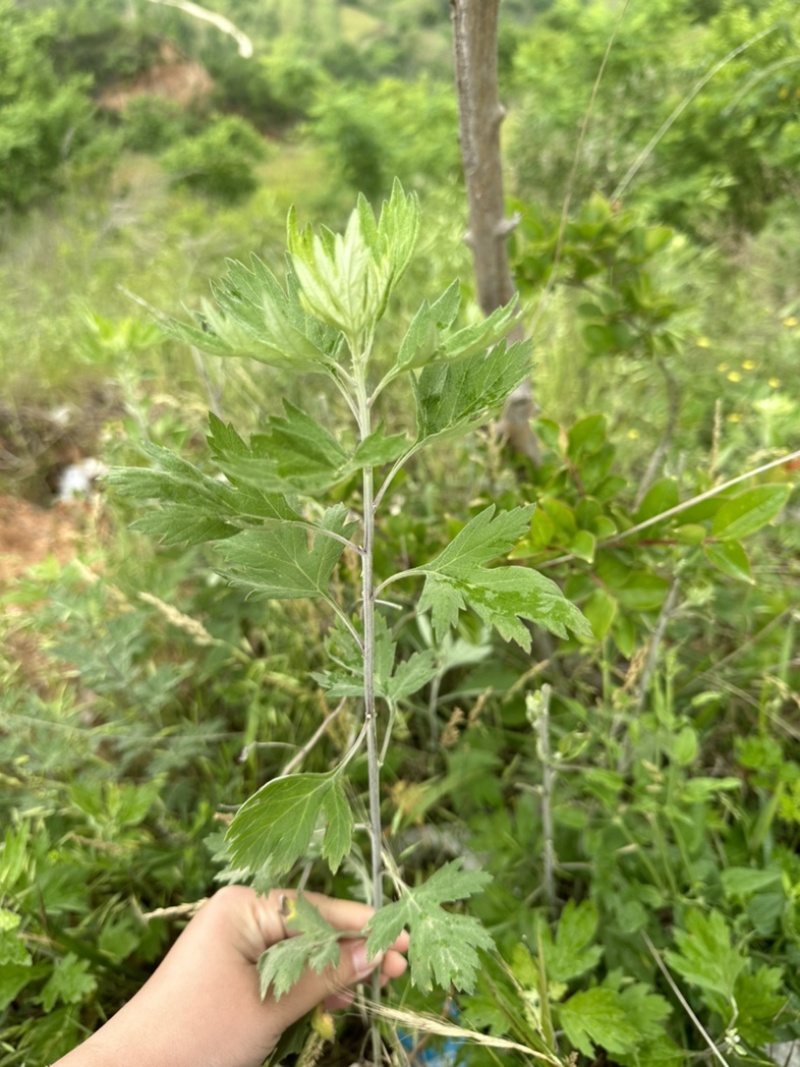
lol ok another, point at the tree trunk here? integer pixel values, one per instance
(480, 118)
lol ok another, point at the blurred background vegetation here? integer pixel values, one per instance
(657, 257)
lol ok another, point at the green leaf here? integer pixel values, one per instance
(684, 746)
(411, 675)
(69, 983)
(479, 336)
(296, 454)
(194, 506)
(13, 979)
(316, 946)
(586, 437)
(253, 315)
(643, 592)
(443, 944)
(597, 1017)
(571, 954)
(380, 448)
(739, 883)
(731, 559)
(483, 539)
(275, 825)
(749, 511)
(452, 397)
(421, 342)
(705, 957)
(346, 279)
(501, 596)
(646, 1011)
(12, 949)
(600, 609)
(583, 545)
(279, 563)
(660, 497)
(760, 998)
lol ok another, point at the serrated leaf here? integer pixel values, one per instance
(69, 983)
(316, 946)
(194, 507)
(705, 957)
(502, 597)
(380, 448)
(480, 336)
(281, 564)
(452, 397)
(182, 524)
(346, 279)
(275, 825)
(485, 537)
(252, 315)
(730, 558)
(596, 1017)
(646, 1011)
(760, 999)
(570, 954)
(411, 675)
(443, 945)
(295, 454)
(749, 511)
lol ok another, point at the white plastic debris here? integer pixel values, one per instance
(76, 480)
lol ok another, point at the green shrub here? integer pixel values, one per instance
(152, 123)
(42, 118)
(219, 161)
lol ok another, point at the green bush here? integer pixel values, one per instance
(219, 161)
(43, 119)
(152, 123)
(396, 128)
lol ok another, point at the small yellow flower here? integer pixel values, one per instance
(735, 417)
(748, 364)
(722, 367)
(792, 320)
(734, 376)
(703, 342)
(633, 434)
(774, 383)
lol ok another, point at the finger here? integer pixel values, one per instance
(345, 915)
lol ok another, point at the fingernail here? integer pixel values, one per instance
(362, 964)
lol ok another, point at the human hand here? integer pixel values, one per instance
(202, 1007)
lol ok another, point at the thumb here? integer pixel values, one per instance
(312, 988)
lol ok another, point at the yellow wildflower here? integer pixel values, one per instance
(703, 342)
(748, 364)
(792, 320)
(774, 383)
(633, 434)
(734, 376)
(735, 417)
(722, 367)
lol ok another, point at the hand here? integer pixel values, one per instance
(202, 1008)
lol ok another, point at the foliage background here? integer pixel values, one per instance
(142, 698)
